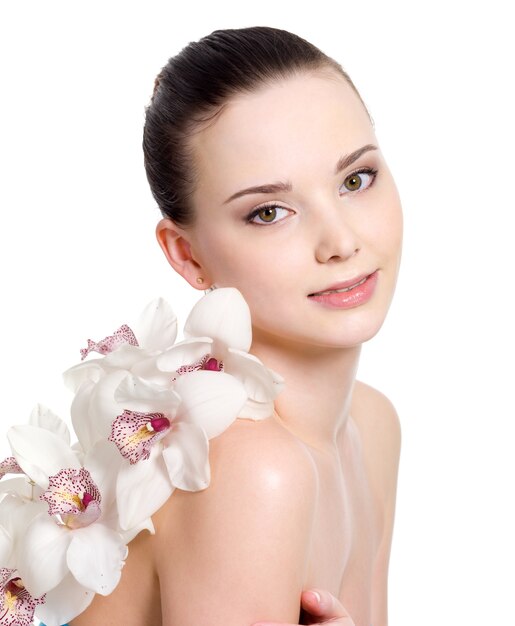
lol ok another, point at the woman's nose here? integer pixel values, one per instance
(336, 239)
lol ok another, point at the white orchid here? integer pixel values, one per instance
(218, 335)
(144, 413)
(95, 380)
(126, 349)
(72, 547)
(17, 606)
(164, 434)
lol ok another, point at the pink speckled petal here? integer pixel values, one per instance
(16, 604)
(9, 466)
(133, 435)
(223, 315)
(73, 496)
(110, 343)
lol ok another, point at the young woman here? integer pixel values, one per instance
(264, 162)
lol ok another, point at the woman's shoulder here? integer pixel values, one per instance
(238, 533)
(251, 459)
(380, 435)
(375, 416)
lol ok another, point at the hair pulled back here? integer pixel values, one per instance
(192, 89)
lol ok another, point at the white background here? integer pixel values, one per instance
(78, 255)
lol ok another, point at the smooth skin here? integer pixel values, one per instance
(304, 499)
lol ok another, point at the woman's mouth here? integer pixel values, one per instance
(348, 294)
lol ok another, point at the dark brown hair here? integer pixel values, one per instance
(192, 89)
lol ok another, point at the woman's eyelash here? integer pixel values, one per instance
(363, 170)
(272, 206)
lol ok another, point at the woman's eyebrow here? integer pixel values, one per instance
(348, 159)
(271, 188)
(343, 163)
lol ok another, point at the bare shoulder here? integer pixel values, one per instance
(378, 423)
(240, 547)
(250, 459)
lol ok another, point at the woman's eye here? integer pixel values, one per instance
(268, 215)
(359, 181)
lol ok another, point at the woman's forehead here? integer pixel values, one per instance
(306, 118)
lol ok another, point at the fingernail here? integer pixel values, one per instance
(316, 595)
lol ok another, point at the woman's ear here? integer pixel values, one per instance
(175, 244)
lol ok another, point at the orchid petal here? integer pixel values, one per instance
(122, 336)
(256, 378)
(64, 602)
(104, 407)
(138, 395)
(256, 411)
(134, 434)
(103, 463)
(223, 315)
(96, 556)
(147, 369)
(142, 489)
(10, 466)
(184, 353)
(210, 400)
(187, 457)
(16, 604)
(125, 357)
(20, 486)
(94, 409)
(43, 417)
(75, 376)
(157, 327)
(42, 555)
(128, 535)
(73, 496)
(85, 429)
(16, 514)
(6, 546)
(40, 453)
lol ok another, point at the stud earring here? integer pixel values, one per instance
(200, 280)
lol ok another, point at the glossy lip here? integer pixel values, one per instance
(357, 295)
(342, 285)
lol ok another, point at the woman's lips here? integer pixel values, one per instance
(348, 294)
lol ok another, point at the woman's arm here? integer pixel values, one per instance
(238, 552)
(380, 431)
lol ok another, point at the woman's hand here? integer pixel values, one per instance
(318, 607)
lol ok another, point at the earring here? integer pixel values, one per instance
(200, 280)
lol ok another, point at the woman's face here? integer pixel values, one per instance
(294, 199)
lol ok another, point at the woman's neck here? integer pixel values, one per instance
(315, 401)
